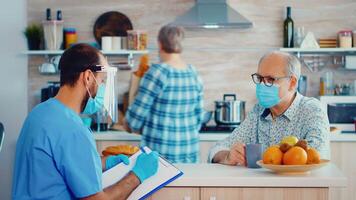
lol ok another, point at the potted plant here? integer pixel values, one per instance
(34, 35)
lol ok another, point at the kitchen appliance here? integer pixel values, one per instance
(229, 112)
(212, 14)
(50, 90)
(341, 111)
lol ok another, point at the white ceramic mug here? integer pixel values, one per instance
(123, 42)
(106, 43)
(116, 43)
(55, 60)
(47, 68)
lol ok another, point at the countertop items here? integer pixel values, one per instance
(125, 136)
(216, 175)
(229, 111)
(328, 42)
(345, 38)
(204, 137)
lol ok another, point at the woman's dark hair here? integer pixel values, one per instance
(75, 60)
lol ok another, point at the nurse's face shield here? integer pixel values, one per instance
(110, 97)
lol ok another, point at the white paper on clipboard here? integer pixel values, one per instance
(166, 173)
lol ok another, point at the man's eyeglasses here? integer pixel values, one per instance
(267, 80)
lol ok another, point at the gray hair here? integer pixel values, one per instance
(293, 66)
(171, 38)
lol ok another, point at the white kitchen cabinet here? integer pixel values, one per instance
(343, 155)
(237, 193)
(264, 193)
(177, 193)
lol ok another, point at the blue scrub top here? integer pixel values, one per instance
(56, 156)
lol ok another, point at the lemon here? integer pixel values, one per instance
(291, 140)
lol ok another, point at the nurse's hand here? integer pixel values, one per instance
(111, 161)
(146, 165)
(236, 155)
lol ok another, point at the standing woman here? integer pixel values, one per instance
(168, 108)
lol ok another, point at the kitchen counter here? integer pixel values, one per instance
(216, 175)
(208, 137)
(206, 181)
(215, 182)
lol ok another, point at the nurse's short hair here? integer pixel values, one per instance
(293, 66)
(75, 60)
(171, 37)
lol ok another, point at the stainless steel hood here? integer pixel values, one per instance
(212, 14)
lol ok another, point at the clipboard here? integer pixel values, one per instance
(166, 173)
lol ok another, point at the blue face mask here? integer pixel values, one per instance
(267, 96)
(95, 104)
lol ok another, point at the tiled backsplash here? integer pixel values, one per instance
(225, 59)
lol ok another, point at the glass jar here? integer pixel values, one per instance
(132, 40)
(143, 40)
(137, 39)
(328, 83)
(345, 39)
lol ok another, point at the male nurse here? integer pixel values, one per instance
(56, 156)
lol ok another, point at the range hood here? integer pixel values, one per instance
(212, 14)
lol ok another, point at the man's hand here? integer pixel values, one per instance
(146, 165)
(236, 155)
(111, 161)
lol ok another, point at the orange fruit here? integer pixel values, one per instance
(313, 156)
(273, 155)
(295, 156)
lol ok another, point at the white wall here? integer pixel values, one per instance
(13, 85)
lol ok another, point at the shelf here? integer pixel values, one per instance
(319, 50)
(129, 53)
(59, 52)
(305, 55)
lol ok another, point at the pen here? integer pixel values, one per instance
(143, 150)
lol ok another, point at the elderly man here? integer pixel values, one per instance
(281, 111)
